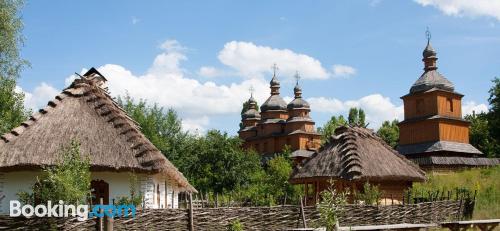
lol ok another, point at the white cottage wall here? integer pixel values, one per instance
(159, 188)
(12, 183)
(119, 183)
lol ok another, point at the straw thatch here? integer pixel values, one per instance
(357, 153)
(85, 112)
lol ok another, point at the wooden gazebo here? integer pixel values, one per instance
(351, 157)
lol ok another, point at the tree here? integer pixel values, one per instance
(220, 164)
(494, 112)
(12, 111)
(162, 127)
(479, 134)
(356, 117)
(278, 171)
(68, 181)
(329, 128)
(389, 132)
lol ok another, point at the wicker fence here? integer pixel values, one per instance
(254, 218)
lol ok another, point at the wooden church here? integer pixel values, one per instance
(433, 133)
(279, 124)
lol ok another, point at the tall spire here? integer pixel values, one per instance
(429, 54)
(297, 89)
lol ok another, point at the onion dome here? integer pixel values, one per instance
(431, 78)
(274, 102)
(298, 102)
(429, 51)
(252, 112)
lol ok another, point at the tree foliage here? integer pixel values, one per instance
(370, 195)
(331, 206)
(485, 127)
(357, 117)
(329, 128)
(479, 134)
(12, 111)
(162, 127)
(494, 112)
(68, 181)
(389, 132)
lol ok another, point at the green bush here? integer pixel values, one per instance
(235, 225)
(68, 181)
(330, 206)
(370, 194)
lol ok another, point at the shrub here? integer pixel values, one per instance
(68, 181)
(330, 206)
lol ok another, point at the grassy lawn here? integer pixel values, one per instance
(485, 181)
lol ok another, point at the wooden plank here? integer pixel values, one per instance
(488, 221)
(388, 227)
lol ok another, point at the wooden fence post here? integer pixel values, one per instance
(101, 225)
(191, 220)
(302, 213)
(109, 221)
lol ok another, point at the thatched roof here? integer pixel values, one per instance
(85, 112)
(356, 153)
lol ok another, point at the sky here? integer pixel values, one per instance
(202, 57)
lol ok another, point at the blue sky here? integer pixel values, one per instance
(200, 57)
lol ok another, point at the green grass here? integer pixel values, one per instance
(486, 181)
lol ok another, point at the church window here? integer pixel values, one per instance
(449, 104)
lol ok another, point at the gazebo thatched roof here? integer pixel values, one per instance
(85, 112)
(356, 153)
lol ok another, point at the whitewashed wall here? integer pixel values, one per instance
(168, 192)
(119, 183)
(13, 182)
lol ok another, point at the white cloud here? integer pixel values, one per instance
(212, 72)
(340, 70)
(195, 125)
(37, 99)
(197, 102)
(377, 108)
(470, 106)
(252, 61)
(166, 84)
(460, 8)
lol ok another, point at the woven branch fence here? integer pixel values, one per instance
(252, 218)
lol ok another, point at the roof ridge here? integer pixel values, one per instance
(350, 160)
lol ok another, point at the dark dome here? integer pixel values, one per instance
(298, 103)
(429, 51)
(274, 102)
(251, 114)
(431, 79)
(274, 81)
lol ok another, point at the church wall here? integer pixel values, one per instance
(271, 128)
(424, 131)
(447, 108)
(420, 105)
(453, 131)
(290, 127)
(274, 115)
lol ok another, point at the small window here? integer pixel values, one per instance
(449, 104)
(420, 106)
